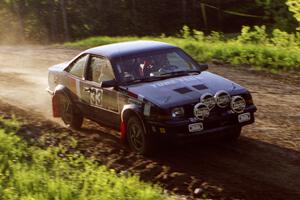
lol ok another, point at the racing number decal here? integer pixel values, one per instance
(96, 97)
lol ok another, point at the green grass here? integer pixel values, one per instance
(31, 173)
(259, 55)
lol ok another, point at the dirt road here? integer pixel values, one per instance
(263, 164)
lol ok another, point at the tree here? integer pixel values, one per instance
(62, 20)
(294, 7)
(65, 20)
(277, 14)
(18, 7)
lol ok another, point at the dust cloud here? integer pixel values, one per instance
(24, 73)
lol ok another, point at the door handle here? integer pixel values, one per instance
(87, 89)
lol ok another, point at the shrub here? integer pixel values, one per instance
(198, 35)
(185, 32)
(257, 36)
(32, 173)
(283, 39)
(294, 7)
(215, 37)
(254, 47)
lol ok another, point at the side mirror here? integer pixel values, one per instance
(110, 83)
(203, 66)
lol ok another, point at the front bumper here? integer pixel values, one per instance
(220, 122)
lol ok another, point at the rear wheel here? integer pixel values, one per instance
(233, 134)
(139, 141)
(70, 115)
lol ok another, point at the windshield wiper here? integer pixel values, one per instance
(162, 76)
(141, 80)
(179, 73)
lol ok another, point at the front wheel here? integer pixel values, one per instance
(233, 134)
(70, 115)
(139, 141)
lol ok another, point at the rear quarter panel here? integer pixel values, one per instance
(55, 75)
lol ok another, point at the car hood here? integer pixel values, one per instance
(183, 90)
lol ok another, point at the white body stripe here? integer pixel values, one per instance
(78, 88)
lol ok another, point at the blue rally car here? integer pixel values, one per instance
(148, 90)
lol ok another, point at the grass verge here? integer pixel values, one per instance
(261, 57)
(32, 173)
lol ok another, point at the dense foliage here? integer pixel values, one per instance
(31, 173)
(294, 7)
(60, 20)
(275, 53)
(277, 15)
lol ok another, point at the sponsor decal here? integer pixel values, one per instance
(72, 85)
(147, 109)
(134, 101)
(244, 117)
(195, 127)
(96, 97)
(78, 92)
(172, 82)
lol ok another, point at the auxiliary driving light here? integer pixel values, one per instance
(201, 111)
(208, 100)
(238, 104)
(222, 99)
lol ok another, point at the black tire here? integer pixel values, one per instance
(138, 140)
(233, 134)
(70, 115)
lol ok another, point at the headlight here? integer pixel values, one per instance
(248, 98)
(178, 112)
(249, 101)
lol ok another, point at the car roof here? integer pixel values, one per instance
(128, 48)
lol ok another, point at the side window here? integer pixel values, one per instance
(77, 68)
(100, 70)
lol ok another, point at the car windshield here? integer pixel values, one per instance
(150, 66)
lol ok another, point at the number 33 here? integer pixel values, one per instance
(96, 97)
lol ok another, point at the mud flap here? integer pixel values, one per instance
(123, 130)
(55, 106)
